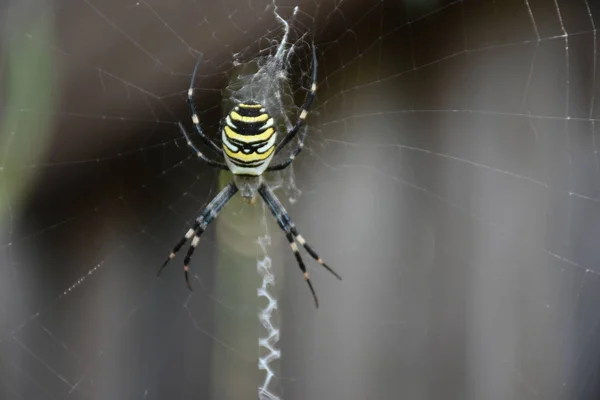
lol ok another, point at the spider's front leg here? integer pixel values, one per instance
(210, 212)
(286, 224)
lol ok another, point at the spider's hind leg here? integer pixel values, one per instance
(199, 154)
(310, 96)
(195, 118)
(299, 124)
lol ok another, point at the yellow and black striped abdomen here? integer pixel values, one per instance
(248, 139)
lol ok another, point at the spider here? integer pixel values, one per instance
(248, 147)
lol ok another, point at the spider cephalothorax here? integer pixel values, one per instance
(249, 135)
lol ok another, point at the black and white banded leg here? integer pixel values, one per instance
(286, 224)
(301, 119)
(210, 212)
(199, 154)
(286, 163)
(195, 118)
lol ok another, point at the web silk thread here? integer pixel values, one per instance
(267, 343)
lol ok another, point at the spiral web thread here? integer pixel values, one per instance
(265, 315)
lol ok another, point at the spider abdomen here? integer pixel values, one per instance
(249, 139)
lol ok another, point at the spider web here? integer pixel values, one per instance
(451, 174)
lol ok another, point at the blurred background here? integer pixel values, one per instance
(451, 175)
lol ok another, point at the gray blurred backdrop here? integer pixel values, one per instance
(451, 175)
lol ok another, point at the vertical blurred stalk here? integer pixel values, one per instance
(235, 374)
(26, 82)
(27, 100)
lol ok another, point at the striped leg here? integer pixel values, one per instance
(195, 118)
(290, 238)
(210, 162)
(180, 244)
(210, 212)
(288, 221)
(307, 102)
(285, 223)
(286, 163)
(309, 249)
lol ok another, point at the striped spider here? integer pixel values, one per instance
(249, 145)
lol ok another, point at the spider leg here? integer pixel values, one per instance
(290, 238)
(180, 244)
(286, 163)
(216, 164)
(210, 212)
(305, 107)
(292, 227)
(195, 118)
(285, 223)
(310, 250)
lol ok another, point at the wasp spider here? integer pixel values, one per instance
(248, 147)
